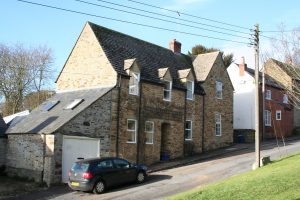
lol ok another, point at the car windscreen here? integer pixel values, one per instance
(80, 167)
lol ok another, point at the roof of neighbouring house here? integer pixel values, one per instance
(3, 127)
(268, 79)
(8, 119)
(292, 71)
(119, 47)
(52, 114)
(203, 64)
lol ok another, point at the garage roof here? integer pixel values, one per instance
(47, 121)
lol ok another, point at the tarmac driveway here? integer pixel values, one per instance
(172, 181)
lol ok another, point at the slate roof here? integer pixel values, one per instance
(203, 64)
(119, 47)
(292, 71)
(47, 122)
(268, 79)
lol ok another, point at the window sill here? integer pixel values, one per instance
(131, 142)
(148, 143)
(268, 125)
(134, 94)
(218, 135)
(168, 100)
(188, 139)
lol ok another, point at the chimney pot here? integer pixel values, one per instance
(175, 46)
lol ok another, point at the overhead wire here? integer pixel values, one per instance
(160, 19)
(172, 17)
(187, 14)
(128, 22)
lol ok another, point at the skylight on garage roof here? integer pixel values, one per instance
(73, 104)
(48, 106)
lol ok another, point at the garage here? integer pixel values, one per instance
(75, 148)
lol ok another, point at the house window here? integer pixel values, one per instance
(268, 94)
(285, 98)
(218, 123)
(278, 114)
(188, 130)
(167, 90)
(267, 118)
(73, 104)
(219, 88)
(134, 84)
(149, 129)
(190, 90)
(131, 130)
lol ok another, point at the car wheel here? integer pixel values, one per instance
(99, 187)
(140, 177)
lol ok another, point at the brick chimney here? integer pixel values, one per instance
(242, 66)
(175, 46)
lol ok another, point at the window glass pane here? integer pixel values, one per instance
(131, 125)
(188, 130)
(285, 98)
(149, 127)
(123, 164)
(134, 83)
(167, 95)
(105, 164)
(73, 104)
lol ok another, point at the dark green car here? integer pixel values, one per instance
(97, 174)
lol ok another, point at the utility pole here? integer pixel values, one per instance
(257, 135)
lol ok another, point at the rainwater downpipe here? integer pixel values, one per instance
(118, 115)
(139, 125)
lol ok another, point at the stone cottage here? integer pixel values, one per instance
(121, 96)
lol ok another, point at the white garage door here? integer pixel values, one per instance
(77, 147)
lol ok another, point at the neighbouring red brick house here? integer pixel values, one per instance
(279, 112)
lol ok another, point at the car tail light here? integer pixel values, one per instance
(70, 173)
(87, 175)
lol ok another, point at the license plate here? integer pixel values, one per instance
(74, 183)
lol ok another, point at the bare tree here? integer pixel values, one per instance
(22, 71)
(285, 48)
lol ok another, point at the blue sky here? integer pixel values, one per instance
(33, 25)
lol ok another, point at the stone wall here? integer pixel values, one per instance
(213, 106)
(25, 156)
(3, 146)
(87, 65)
(153, 108)
(95, 122)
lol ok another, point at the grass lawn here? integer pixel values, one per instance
(279, 180)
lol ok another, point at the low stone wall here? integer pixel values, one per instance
(24, 156)
(3, 141)
(244, 136)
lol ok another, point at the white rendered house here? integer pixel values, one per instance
(244, 98)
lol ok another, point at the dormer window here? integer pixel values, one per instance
(190, 89)
(285, 98)
(268, 94)
(167, 90)
(134, 83)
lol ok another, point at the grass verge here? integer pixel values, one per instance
(278, 180)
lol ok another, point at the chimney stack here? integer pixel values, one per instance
(242, 66)
(175, 46)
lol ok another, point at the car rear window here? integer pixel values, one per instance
(80, 167)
